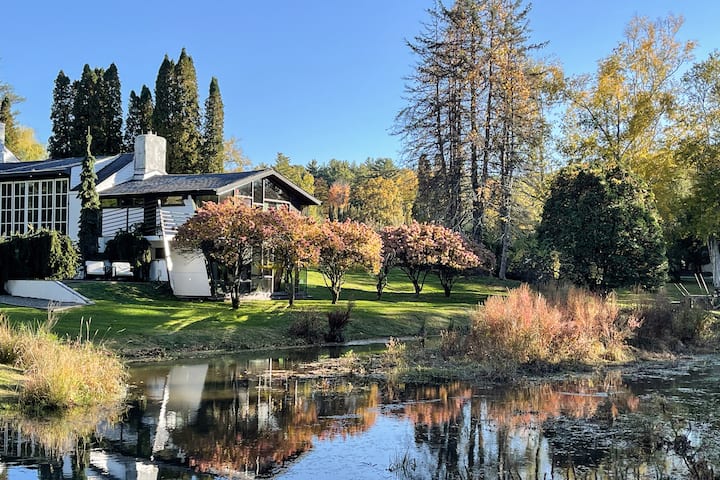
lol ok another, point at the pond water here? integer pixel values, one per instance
(241, 417)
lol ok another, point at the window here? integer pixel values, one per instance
(258, 195)
(273, 191)
(172, 201)
(32, 205)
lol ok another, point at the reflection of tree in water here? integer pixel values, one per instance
(242, 425)
(499, 434)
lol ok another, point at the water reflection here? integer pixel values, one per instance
(240, 418)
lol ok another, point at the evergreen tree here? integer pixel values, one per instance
(90, 228)
(84, 111)
(185, 124)
(6, 117)
(212, 152)
(110, 112)
(59, 143)
(162, 116)
(139, 117)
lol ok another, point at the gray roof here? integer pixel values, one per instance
(206, 183)
(175, 183)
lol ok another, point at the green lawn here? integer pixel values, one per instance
(138, 317)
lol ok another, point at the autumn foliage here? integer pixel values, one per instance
(526, 327)
(420, 248)
(346, 245)
(225, 233)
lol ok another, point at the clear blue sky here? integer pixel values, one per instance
(314, 79)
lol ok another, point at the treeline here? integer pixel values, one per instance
(93, 104)
(377, 191)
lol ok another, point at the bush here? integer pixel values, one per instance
(131, 247)
(337, 321)
(525, 327)
(307, 325)
(667, 326)
(40, 255)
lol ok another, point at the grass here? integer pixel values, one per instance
(140, 319)
(58, 373)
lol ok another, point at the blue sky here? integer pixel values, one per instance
(318, 79)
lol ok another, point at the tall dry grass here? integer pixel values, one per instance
(525, 327)
(61, 373)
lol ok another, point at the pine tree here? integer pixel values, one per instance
(146, 110)
(6, 117)
(211, 160)
(185, 124)
(59, 143)
(90, 228)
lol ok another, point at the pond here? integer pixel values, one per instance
(243, 417)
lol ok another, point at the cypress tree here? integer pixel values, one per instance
(211, 160)
(59, 143)
(146, 110)
(90, 228)
(185, 124)
(110, 113)
(6, 117)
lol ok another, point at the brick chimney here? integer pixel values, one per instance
(150, 151)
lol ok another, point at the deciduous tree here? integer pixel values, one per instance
(226, 233)
(346, 245)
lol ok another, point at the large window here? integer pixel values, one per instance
(32, 205)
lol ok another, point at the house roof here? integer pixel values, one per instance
(207, 183)
(63, 166)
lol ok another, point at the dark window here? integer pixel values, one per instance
(172, 201)
(273, 191)
(258, 191)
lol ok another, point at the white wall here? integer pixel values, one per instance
(188, 275)
(50, 290)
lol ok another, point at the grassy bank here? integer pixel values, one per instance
(142, 319)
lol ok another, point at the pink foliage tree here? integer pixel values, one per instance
(345, 245)
(293, 239)
(420, 248)
(226, 233)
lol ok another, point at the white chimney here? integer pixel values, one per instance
(150, 152)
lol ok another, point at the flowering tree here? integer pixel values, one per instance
(454, 255)
(387, 261)
(293, 240)
(344, 245)
(226, 233)
(414, 251)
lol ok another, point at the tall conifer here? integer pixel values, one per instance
(85, 109)
(185, 126)
(163, 114)
(139, 119)
(59, 144)
(90, 228)
(110, 102)
(211, 160)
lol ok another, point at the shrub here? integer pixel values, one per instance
(307, 325)
(526, 327)
(40, 255)
(664, 325)
(131, 247)
(337, 321)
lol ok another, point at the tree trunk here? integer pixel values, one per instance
(335, 293)
(714, 251)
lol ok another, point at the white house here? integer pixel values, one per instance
(136, 192)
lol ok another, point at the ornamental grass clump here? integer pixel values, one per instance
(59, 374)
(526, 327)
